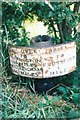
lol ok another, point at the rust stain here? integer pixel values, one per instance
(43, 62)
(72, 69)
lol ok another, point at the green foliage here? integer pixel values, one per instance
(62, 16)
(73, 113)
(19, 102)
(17, 99)
(23, 39)
(70, 94)
(13, 31)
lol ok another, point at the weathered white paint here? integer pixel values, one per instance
(43, 62)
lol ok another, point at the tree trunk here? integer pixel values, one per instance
(76, 9)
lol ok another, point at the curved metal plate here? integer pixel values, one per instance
(47, 62)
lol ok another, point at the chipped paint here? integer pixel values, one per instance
(48, 62)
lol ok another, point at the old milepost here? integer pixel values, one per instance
(43, 61)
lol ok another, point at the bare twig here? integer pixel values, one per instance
(48, 3)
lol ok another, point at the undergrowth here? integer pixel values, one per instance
(19, 102)
(17, 99)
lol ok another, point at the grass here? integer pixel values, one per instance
(19, 102)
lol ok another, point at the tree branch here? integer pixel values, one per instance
(48, 3)
(70, 4)
(54, 31)
(76, 9)
(60, 32)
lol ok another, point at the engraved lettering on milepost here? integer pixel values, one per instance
(46, 62)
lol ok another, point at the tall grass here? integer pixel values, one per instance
(18, 101)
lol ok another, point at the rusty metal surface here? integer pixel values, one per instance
(47, 62)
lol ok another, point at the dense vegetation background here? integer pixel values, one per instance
(17, 99)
